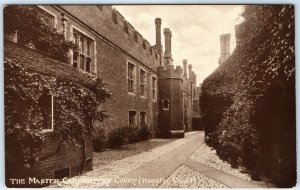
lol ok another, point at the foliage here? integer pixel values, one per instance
(117, 138)
(127, 134)
(250, 99)
(33, 30)
(99, 140)
(132, 134)
(144, 132)
(75, 110)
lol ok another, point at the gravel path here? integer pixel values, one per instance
(103, 175)
(206, 155)
(111, 155)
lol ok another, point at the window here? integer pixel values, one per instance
(88, 48)
(144, 44)
(75, 59)
(166, 104)
(46, 105)
(151, 51)
(142, 118)
(83, 55)
(132, 117)
(142, 82)
(81, 45)
(88, 64)
(76, 39)
(130, 77)
(153, 88)
(82, 62)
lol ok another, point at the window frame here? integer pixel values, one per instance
(163, 104)
(135, 118)
(154, 88)
(145, 118)
(133, 79)
(52, 115)
(144, 84)
(90, 43)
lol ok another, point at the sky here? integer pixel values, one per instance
(196, 30)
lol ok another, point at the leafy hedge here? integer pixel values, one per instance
(248, 103)
(127, 134)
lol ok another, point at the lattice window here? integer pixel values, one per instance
(142, 82)
(142, 118)
(153, 88)
(130, 73)
(46, 105)
(83, 55)
(132, 117)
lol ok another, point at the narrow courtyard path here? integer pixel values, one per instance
(186, 162)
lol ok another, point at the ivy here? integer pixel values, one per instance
(250, 99)
(33, 30)
(76, 110)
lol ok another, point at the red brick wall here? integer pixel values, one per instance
(67, 157)
(170, 87)
(114, 48)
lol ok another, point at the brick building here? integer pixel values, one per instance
(145, 87)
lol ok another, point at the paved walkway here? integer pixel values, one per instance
(167, 166)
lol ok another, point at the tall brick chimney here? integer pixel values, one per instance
(184, 67)
(190, 71)
(224, 47)
(168, 54)
(158, 31)
(158, 45)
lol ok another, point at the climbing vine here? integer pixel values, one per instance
(248, 103)
(31, 29)
(76, 109)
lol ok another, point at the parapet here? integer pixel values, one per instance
(169, 71)
(135, 36)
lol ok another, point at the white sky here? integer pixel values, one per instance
(195, 30)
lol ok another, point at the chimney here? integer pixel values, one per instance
(224, 47)
(184, 67)
(158, 30)
(190, 71)
(158, 45)
(168, 54)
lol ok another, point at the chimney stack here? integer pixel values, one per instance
(158, 33)
(224, 47)
(158, 30)
(158, 45)
(184, 67)
(190, 71)
(168, 54)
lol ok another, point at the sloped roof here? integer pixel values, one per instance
(44, 64)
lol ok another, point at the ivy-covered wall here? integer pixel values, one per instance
(29, 150)
(248, 103)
